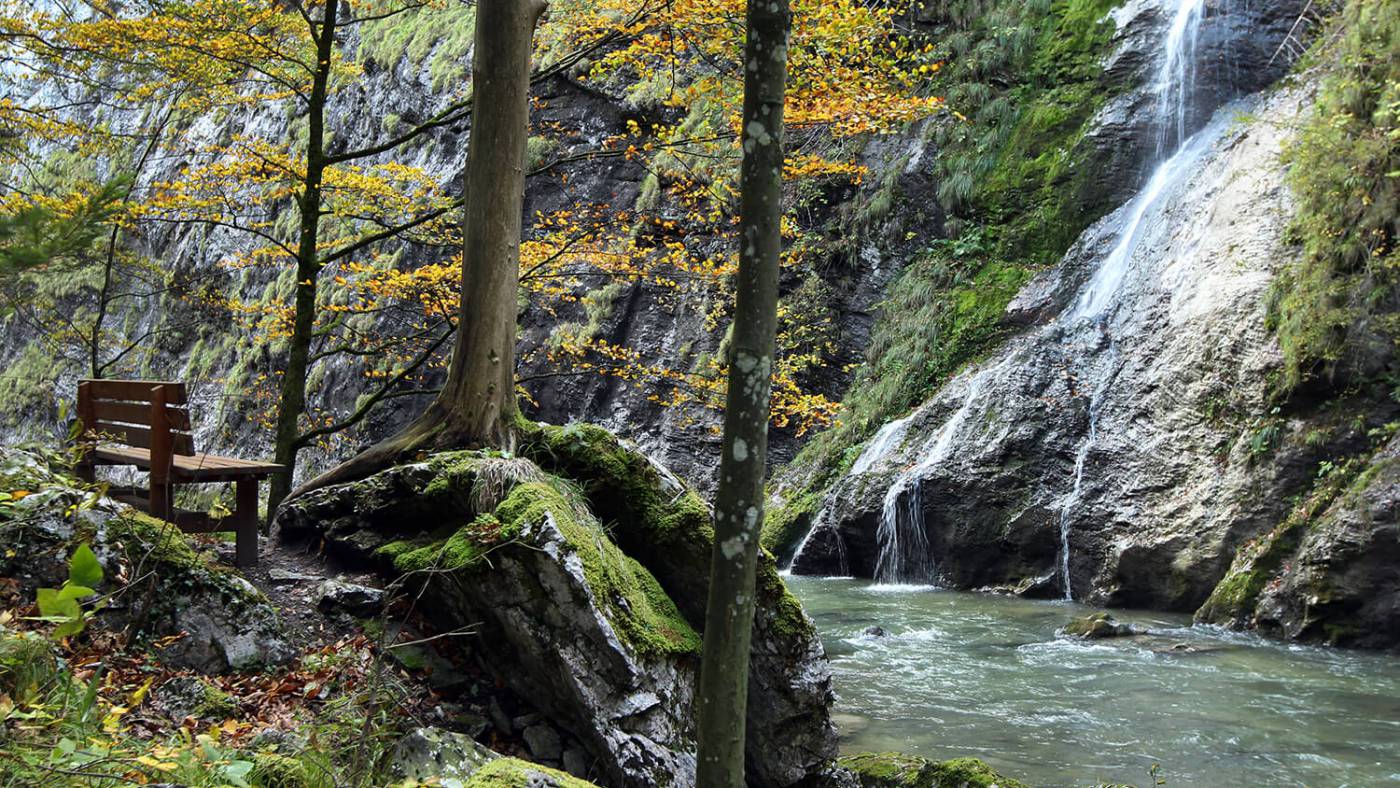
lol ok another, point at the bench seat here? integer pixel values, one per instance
(187, 467)
(146, 424)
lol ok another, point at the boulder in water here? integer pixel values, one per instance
(1098, 626)
(897, 770)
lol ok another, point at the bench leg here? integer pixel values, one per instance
(245, 517)
(160, 501)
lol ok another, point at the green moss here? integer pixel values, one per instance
(515, 773)
(641, 612)
(666, 528)
(784, 527)
(143, 535)
(435, 37)
(27, 664)
(216, 704)
(897, 770)
(271, 770)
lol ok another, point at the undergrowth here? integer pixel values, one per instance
(1339, 306)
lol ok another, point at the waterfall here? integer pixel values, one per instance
(1173, 88)
(1177, 76)
(902, 539)
(884, 441)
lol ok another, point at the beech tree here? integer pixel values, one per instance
(476, 406)
(724, 670)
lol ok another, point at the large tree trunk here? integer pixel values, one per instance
(292, 401)
(724, 669)
(476, 407)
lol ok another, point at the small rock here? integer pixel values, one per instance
(426, 753)
(576, 762)
(193, 696)
(544, 742)
(499, 718)
(282, 577)
(354, 599)
(1099, 625)
(524, 721)
(472, 724)
(874, 632)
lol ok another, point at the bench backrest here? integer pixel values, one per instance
(151, 414)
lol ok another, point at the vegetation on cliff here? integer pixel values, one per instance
(1337, 311)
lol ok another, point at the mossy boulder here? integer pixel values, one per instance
(897, 770)
(1097, 626)
(168, 588)
(425, 754)
(515, 773)
(586, 566)
(1330, 572)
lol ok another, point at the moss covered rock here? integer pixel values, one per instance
(1330, 572)
(515, 773)
(587, 567)
(897, 770)
(170, 589)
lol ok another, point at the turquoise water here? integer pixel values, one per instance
(976, 674)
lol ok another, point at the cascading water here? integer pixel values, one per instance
(1173, 88)
(903, 551)
(902, 540)
(1177, 77)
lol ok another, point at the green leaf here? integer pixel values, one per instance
(74, 592)
(83, 568)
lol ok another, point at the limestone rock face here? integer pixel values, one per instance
(229, 624)
(1331, 577)
(595, 626)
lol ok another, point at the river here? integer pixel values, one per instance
(984, 675)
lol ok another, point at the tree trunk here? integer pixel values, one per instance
(292, 400)
(724, 670)
(476, 407)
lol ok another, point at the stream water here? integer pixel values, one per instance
(975, 674)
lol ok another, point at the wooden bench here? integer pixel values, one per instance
(146, 424)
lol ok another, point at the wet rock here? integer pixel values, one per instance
(1154, 506)
(288, 577)
(427, 753)
(499, 718)
(1331, 571)
(576, 762)
(874, 632)
(1098, 626)
(544, 742)
(471, 723)
(339, 596)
